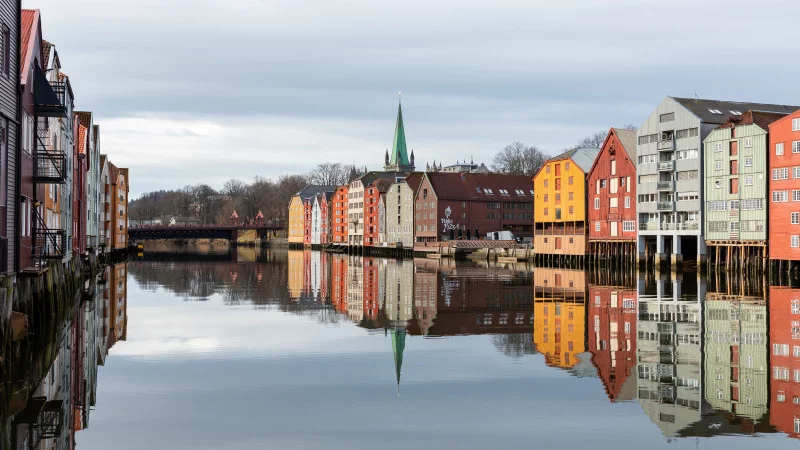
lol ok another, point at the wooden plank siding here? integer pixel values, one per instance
(613, 176)
(9, 103)
(735, 170)
(560, 219)
(339, 220)
(784, 236)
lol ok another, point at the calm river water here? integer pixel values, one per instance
(306, 350)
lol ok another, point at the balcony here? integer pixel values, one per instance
(685, 226)
(666, 186)
(664, 146)
(49, 99)
(648, 226)
(666, 165)
(665, 206)
(49, 166)
(52, 242)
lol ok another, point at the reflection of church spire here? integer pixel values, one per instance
(398, 346)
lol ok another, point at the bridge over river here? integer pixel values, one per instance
(229, 232)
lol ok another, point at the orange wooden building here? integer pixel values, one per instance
(339, 219)
(784, 188)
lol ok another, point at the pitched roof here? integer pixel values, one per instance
(628, 140)
(477, 186)
(583, 157)
(29, 21)
(370, 177)
(703, 108)
(82, 138)
(46, 47)
(310, 190)
(413, 180)
(760, 118)
(84, 118)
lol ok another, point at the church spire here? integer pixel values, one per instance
(398, 158)
(398, 346)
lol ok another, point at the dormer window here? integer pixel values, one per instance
(503, 192)
(488, 191)
(520, 192)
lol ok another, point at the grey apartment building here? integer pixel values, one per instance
(669, 167)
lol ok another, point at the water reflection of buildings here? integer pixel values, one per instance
(612, 338)
(52, 387)
(559, 308)
(784, 340)
(735, 358)
(669, 353)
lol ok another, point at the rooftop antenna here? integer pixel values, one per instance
(696, 97)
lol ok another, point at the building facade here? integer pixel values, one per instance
(559, 315)
(465, 205)
(339, 220)
(736, 178)
(612, 339)
(784, 188)
(669, 188)
(9, 156)
(561, 226)
(400, 211)
(612, 190)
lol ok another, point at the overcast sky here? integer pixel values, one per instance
(190, 91)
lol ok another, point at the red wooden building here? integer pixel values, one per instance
(612, 339)
(308, 207)
(784, 188)
(372, 196)
(339, 219)
(325, 214)
(612, 192)
(784, 361)
(453, 205)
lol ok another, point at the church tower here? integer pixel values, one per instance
(397, 160)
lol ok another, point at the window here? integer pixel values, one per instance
(627, 202)
(547, 169)
(748, 161)
(714, 111)
(795, 146)
(613, 167)
(6, 61)
(545, 181)
(717, 184)
(503, 192)
(780, 196)
(488, 191)
(546, 212)
(748, 181)
(717, 206)
(546, 197)
(596, 203)
(734, 205)
(752, 204)
(646, 159)
(717, 165)
(668, 117)
(718, 147)
(780, 173)
(688, 154)
(597, 226)
(779, 149)
(613, 202)
(795, 241)
(795, 218)
(748, 142)
(686, 196)
(796, 195)
(629, 225)
(571, 195)
(734, 226)
(687, 175)
(570, 180)
(602, 184)
(795, 124)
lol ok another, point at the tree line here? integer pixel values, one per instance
(203, 204)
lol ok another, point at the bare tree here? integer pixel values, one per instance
(518, 158)
(594, 141)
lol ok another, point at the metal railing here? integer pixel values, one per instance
(666, 165)
(665, 185)
(666, 145)
(665, 206)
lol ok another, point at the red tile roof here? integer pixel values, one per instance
(749, 117)
(84, 117)
(30, 18)
(82, 139)
(413, 180)
(474, 186)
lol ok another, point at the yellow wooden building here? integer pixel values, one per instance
(559, 311)
(560, 222)
(296, 220)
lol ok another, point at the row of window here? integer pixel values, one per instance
(627, 225)
(783, 196)
(613, 202)
(779, 148)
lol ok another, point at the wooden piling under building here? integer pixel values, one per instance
(743, 257)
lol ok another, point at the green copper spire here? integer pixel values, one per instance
(398, 346)
(398, 159)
